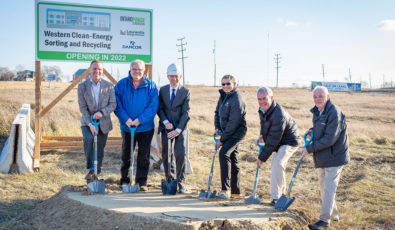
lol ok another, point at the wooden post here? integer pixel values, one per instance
(37, 123)
(148, 71)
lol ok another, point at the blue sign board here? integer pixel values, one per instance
(51, 77)
(338, 86)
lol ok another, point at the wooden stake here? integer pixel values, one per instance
(37, 123)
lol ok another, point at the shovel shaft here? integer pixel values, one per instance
(294, 176)
(169, 154)
(256, 182)
(95, 154)
(132, 133)
(212, 167)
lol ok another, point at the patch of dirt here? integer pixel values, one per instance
(61, 212)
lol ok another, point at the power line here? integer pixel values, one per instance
(182, 56)
(277, 59)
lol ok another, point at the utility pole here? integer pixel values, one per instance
(215, 67)
(182, 56)
(370, 80)
(323, 73)
(277, 59)
(383, 81)
(349, 74)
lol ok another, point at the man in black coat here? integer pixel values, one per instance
(173, 118)
(280, 135)
(330, 152)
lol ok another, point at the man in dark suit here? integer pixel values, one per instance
(96, 98)
(173, 118)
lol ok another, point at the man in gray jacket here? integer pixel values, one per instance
(280, 134)
(174, 115)
(330, 152)
(96, 98)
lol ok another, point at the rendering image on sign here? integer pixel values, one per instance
(66, 19)
(75, 32)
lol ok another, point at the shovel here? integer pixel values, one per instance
(169, 185)
(254, 198)
(129, 188)
(208, 194)
(286, 200)
(96, 186)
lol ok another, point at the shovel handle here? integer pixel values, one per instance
(217, 136)
(308, 138)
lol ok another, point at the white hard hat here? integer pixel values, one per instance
(173, 69)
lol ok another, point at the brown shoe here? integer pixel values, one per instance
(144, 188)
(89, 175)
(236, 196)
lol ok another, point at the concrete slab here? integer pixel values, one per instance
(180, 208)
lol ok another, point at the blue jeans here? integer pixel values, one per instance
(89, 150)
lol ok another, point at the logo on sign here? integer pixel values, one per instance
(134, 20)
(132, 45)
(131, 33)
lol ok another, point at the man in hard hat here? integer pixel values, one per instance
(174, 115)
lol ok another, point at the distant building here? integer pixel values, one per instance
(25, 75)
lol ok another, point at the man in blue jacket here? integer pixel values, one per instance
(330, 152)
(137, 104)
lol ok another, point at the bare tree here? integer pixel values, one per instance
(6, 74)
(52, 70)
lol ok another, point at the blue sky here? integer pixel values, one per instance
(359, 35)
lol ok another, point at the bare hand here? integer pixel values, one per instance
(260, 140)
(136, 122)
(258, 162)
(219, 144)
(172, 134)
(93, 129)
(169, 126)
(97, 116)
(129, 122)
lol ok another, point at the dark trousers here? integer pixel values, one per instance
(229, 163)
(88, 140)
(143, 155)
(179, 155)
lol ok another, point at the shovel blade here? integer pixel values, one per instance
(283, 203)
(169, 187)
(96, 187)
(129, 188)
(253, 199)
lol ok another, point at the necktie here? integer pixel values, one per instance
(173, 95)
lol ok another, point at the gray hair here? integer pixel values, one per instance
(321, 88)
(265, 90)
(138, 61)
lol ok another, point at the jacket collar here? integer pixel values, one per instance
(143, 83)
(316, 112)
(270, 111)
(223, 94)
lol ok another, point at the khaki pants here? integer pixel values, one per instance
(329, 179)
(277, 177)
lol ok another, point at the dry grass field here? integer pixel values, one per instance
(366, 191)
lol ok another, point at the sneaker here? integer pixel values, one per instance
(319, 225)
(144, 188)
(273, 202)
(224, 194)
(236, 196)
(183, 191)
(336, 218)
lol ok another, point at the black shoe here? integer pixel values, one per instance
(273, 202)
(319, 225)
(123, 181)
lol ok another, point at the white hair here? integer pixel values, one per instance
(265, 90)
(321, 88)
(137, 61)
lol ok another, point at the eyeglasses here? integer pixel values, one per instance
(227, 83)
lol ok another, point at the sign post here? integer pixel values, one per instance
(77, 32)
